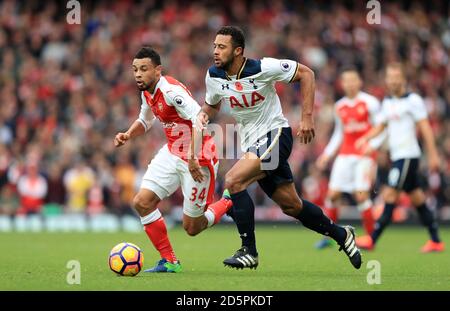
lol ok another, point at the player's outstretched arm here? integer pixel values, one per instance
(375, 131)
(207, 113)
(307, 79)
(194, 150)
(136, 129)
(333, 145)
(430, 145)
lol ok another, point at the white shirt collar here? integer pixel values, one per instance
(158, 85)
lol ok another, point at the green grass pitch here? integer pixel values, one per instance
(288, 261)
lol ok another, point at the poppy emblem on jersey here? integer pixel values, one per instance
(285, 66)
(179, 100)
(238, 86)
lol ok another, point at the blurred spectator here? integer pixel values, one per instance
(9, 201)
(32, 188)
(95, 199)
(125, 175)
(56, 190)
(78, 181)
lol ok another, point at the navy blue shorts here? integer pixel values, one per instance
(274, 150)
(404, 175)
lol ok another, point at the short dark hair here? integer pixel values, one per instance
(148, 52)
(236, 33)
(350, 68)
(397, 66)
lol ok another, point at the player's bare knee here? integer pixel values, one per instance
(292, 208)
(333, 196)
(361, 196)
(143, 205)
(191, 230)
(390, 195)
(417, 197)
(233, 183)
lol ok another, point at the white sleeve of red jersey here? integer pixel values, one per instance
(336, 138)
(377, 141)
(146, 116)
(278, 69)
(212, 97)
(373, 105)
(381, 117)
(186, 106)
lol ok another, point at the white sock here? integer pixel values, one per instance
(329, 204)
(153, 216)
(365, 205)
(210, 216)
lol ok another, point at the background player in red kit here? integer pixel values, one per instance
(178, 163)
(354, 169)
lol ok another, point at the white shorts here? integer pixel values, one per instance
(352, 173)
(166, 172)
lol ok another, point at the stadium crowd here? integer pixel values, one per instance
(66, 90)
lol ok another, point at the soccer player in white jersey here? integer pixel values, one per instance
(247, 87)
(401, 113)
(353, 172)
(178, 163)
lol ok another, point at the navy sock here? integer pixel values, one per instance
(312, 217)
(383, 221)
(243, 214)
(428, 220)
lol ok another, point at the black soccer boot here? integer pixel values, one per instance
(350, 249)
(242, 259)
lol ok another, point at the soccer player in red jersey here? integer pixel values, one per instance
(354, 169)
(183, 161)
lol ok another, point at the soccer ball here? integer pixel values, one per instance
(126, 259)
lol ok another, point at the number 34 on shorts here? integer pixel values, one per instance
(167, 172)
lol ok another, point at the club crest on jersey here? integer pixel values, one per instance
(179, 100)
(160, 106)
(238, 86)
(169, 125)
(252, 82)
(285, 66)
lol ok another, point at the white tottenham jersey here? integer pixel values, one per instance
(401, 114)
(251, 95)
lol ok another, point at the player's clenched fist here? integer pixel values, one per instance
(194, 169)
(120, 139)
(202, 120)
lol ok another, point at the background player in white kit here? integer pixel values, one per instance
(401, 112)
(353, 172)
(247, 86)
(165, 98)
